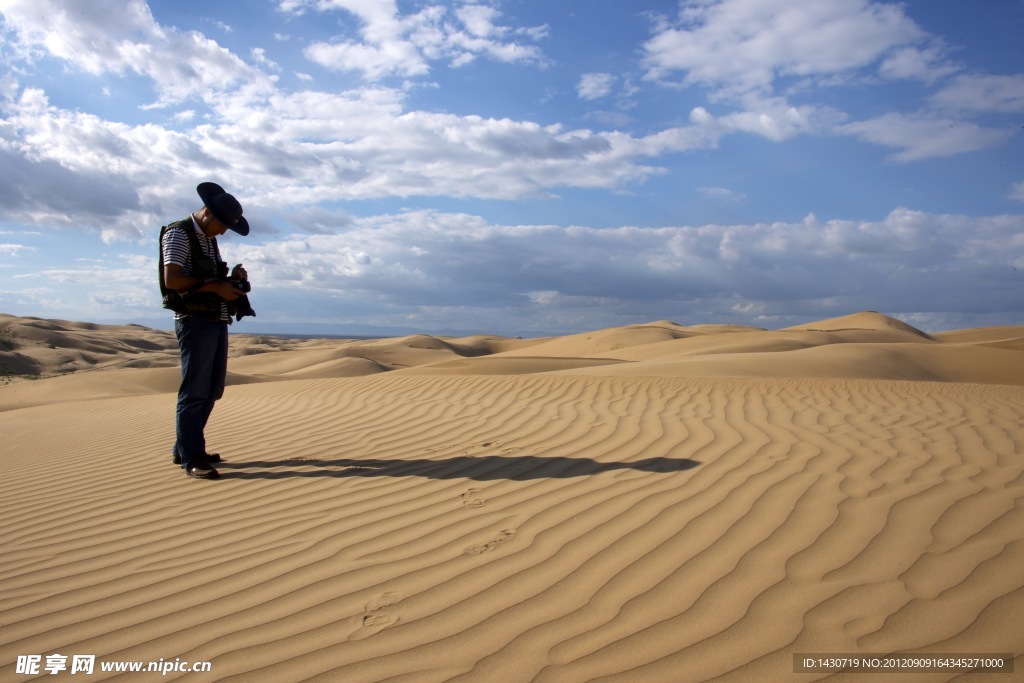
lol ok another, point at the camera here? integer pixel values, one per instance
(242, 285)
(240, 307)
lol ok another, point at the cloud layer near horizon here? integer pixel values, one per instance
(435, 271)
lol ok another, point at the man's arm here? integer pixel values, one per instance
(181, 283)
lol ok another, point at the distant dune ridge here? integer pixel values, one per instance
(654, 502)
(864, 345)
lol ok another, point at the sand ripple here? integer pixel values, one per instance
(516, 528)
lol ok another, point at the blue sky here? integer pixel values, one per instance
(518, 166)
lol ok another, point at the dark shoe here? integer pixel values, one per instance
(210, 457)
(202, 472)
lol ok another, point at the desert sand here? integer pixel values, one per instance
(657, 502)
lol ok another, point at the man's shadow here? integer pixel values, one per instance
(479, 468)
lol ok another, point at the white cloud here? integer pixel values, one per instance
(298, 149)
(438, 271)
(745, 51)
(772, 118)
(71, 168)
(922, 137)
(740, 46)
(1017, 192)
(13, 250)
(119, 36)
(722, 194)
(375, 62)
(93, 37)
(479, 20)
(594, 86)
(393, 44)
(286, 148)
(421, 260)
(95, 289)
(927, 64)
(259, 55)
(983, 93)
(612, 119)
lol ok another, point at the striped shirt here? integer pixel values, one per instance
(177, 251)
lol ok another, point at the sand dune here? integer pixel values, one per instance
(33, 346)
(865, 320)
(651, 503)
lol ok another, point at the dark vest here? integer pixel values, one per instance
(206, 305)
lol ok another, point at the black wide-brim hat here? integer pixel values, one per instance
(224, 207)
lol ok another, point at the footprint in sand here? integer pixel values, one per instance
(384, 600)
(372, 620)
(371, 624)
(503, 536)
(473, 498)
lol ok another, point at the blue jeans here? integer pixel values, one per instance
(204, 365)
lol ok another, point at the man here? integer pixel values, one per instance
(194, 286)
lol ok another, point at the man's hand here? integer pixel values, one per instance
(238, 273)
(176, 280)
(227, 291)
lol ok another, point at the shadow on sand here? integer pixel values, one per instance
(479, 468)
